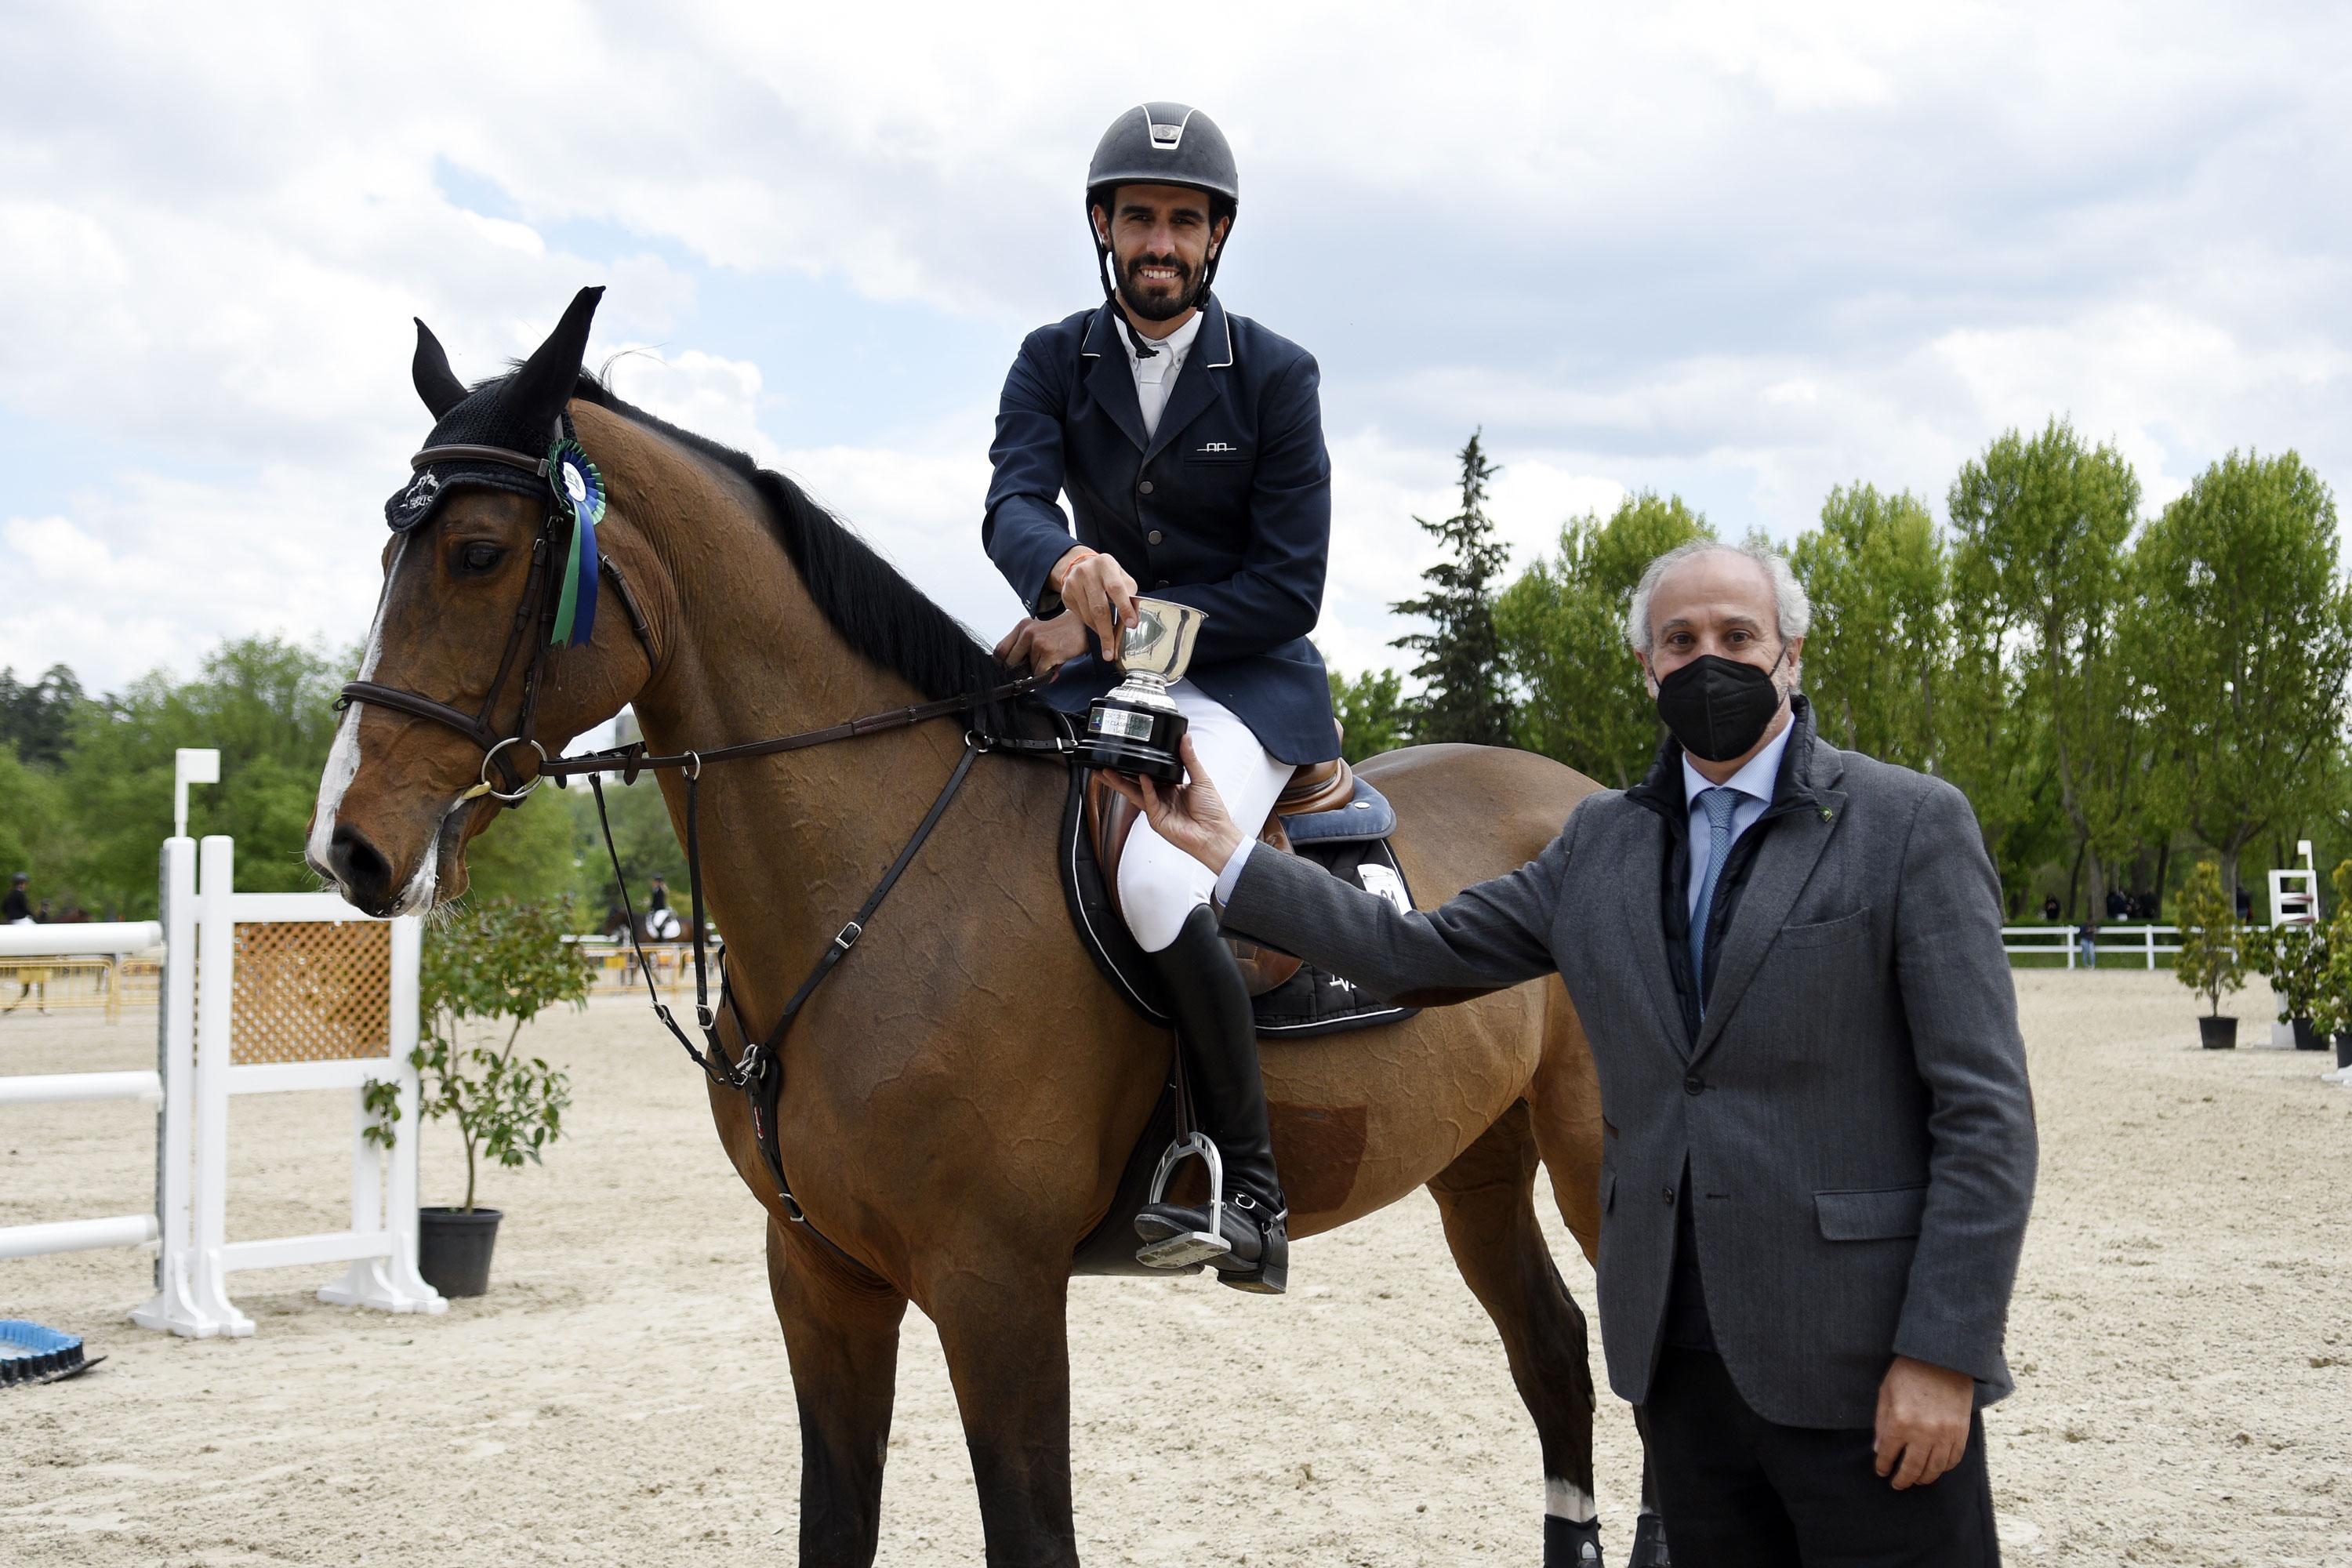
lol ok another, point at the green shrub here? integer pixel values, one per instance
(2211, 942)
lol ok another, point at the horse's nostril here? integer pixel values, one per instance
(358, 864)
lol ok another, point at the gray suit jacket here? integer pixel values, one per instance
(1853, 1114)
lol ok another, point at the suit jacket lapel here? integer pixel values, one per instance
(1197, 384)
(1637, 876)
(1791, 847)
(1110, 379)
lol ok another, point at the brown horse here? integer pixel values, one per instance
(962, 1097)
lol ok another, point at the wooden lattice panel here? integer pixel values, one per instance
(311, 991)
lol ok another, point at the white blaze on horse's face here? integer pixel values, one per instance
(344, 759)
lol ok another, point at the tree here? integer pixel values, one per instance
(2042, 566)
(1877, 573)
(530, 854)
(2211, 958)
(1371, 711)
(1562, 627)
(1460, 668)
(2244, 631)
(266, 704)
(36, 720)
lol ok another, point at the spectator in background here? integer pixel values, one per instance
(2245, 903)
(2119, 904)
(15, 909)
(2086, 943)
(2050, 908)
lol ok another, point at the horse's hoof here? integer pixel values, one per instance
(1650, 1544)
(1567, 1544)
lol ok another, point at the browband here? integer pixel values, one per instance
(463, 454)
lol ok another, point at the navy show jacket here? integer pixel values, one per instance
(1227, 506)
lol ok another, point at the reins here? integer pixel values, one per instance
(758, 1073)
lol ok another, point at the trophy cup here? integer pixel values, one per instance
(1134, 728)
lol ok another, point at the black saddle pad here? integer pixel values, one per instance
(1351, 842)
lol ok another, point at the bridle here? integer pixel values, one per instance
(535, 611)
(758, 1074)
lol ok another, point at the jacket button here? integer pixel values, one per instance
(1670, 1197)
(1693, 1084)
(1153, 537)
(1145, 486)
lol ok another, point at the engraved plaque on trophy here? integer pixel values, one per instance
(1134, 728)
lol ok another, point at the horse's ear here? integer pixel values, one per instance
(436, 382)
(537, 392)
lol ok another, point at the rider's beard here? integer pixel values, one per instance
(1155, 306)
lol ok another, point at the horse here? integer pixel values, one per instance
(970, 1027)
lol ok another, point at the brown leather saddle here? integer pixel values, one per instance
(1315, 788)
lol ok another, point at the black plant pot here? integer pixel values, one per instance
(2217, 1035)
(453, 1248)
(2343, 1052)
(2306, 1038)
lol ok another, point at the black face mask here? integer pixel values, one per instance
(1719, 707)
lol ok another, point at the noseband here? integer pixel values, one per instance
(542, 593)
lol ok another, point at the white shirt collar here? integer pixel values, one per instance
(1176, 345)
(1756, 778)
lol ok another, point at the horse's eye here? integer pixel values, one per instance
(477, 560)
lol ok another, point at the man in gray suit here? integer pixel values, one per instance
(1819, 1144)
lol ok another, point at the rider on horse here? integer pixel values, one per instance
(1190, 443)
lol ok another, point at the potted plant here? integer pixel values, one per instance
(2211, 958)
(2332, 1013)
(499, 963)
(2294, 959)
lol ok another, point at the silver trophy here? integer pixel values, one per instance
(1134, 728)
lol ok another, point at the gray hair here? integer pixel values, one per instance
(1792, 607)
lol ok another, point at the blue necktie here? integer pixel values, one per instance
(1719, 803)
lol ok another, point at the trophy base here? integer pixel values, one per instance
(1127, 737)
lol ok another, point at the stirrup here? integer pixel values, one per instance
(1197, 1247)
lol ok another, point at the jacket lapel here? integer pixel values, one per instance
(1197, 384)
(1785, 859)
(1110, 380)
(1636, 877)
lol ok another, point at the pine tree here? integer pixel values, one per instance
(1461, 667)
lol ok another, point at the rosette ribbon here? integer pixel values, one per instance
(580, 490)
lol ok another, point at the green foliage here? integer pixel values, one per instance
(36, 720)
(2211, 958)
(1562, 629)
(2040, 576)
(1371, 711)
(2244, 637)
(1876, 573)
(642, 833)
(1461, 668)
(530, 855)
(32, 814)
(2331, 1007)
(497, 961)
(2294, 960)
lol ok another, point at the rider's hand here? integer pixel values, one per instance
(1043, 646)
(1098, 590)
(1191, 815)
(1923, 1421)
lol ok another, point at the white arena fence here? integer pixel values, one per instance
(613, 964)
(2116, 944)
(262, 993)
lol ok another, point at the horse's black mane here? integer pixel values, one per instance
(882, 617)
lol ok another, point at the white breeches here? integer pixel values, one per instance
(1159, 886)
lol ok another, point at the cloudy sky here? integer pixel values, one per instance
(1735, 252)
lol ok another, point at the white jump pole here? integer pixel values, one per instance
(174, 1308)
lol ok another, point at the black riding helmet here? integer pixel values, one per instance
(1162, 144)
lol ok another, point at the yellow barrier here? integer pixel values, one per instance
(78, 983)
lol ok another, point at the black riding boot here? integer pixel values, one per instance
(1217, 1031)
